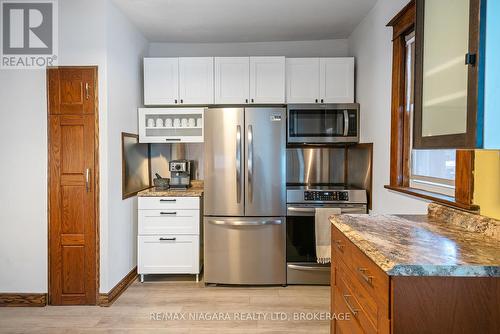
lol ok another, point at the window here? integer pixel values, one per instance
(441, 175)
(431, 170)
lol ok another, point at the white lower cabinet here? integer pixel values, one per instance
(169, 254)
(169, 236)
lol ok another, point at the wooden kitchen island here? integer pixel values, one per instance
(436, 273)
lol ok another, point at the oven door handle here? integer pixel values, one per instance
(304, 210)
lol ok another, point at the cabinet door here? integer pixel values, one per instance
(267, 79)
(196, 80)
(302, 80)
(232, 80)
(161, 81)
(336, 80)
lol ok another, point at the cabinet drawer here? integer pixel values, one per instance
(168, 254)
(349, 325)
(341, 246)
(370, 276)
(366, 306)
(159, 203)
(169, 221)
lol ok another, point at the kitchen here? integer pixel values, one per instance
(235, 157)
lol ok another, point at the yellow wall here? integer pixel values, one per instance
(487, 182)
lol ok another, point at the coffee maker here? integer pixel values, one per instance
(180, 174)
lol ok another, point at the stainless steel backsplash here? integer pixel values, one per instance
(161, 154)
(315, 165)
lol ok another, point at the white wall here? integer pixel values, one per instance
(371, 44)
(85, 27)
(125, 49)
(321, 48)
(23, 198)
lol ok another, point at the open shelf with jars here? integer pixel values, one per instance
(171, 125)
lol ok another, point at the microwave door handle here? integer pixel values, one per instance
(346, 123)
(238, 164)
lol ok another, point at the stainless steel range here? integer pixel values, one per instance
(302, 202)
(315, 179)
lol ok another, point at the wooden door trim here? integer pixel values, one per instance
(95, 183)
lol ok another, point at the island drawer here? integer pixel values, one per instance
(159, 203)
(341, 246)
(370, 276)
(348, 325)
(373, 316)
(169, 221)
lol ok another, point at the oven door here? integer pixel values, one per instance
(323, 123)
(302, 267)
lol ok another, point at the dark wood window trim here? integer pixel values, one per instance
(403, 24)
(463, 140)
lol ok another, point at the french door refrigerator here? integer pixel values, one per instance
(245, 196)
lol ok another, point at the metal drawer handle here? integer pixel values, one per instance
(367, 278)
(338, 244)
(168, 200)
(351, 309)
(168, 239)
(168, 213)
(173, 139)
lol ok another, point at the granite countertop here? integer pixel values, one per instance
(196, 190)
(426, 245)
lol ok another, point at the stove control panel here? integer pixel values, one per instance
(326, 195)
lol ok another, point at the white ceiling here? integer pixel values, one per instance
(244, 20)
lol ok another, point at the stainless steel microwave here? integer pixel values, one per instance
(323, 123)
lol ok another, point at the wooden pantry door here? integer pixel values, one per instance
(73, 185)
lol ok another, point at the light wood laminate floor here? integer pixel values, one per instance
(133, 310)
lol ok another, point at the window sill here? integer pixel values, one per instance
(435, 197)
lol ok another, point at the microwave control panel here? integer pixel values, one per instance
(326, 196)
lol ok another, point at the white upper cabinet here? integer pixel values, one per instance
(302, 80)
(174, 81)
(196, 80)
(320, 80)
(232, 80)
(336, 80)
(161, 81)
(267, 79)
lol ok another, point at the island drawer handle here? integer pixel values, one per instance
(367, 278)
(339, 245)
(168, 200)
(168, 213)
(349, 306)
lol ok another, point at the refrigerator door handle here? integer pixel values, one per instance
(245, 222)
(238, 164)
(250, 164)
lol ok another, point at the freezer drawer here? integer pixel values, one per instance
(169, 222)
(244, 250)
(168, 254)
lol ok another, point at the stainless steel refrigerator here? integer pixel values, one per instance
(245, 196)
